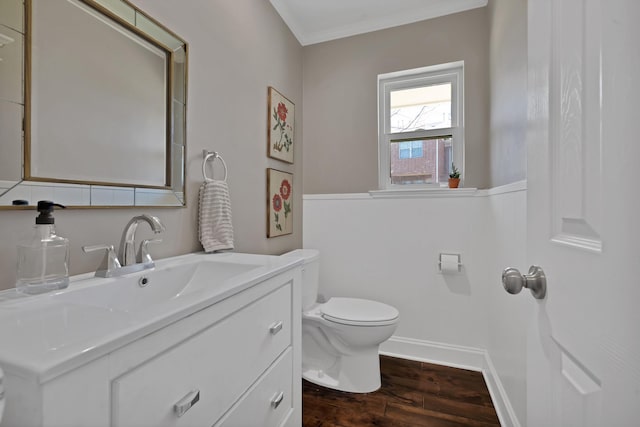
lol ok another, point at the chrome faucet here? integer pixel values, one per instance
(111, 265)
(128, 248)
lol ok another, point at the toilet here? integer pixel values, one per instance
(341, 337)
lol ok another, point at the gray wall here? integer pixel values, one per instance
(508, 68)
(340, 97)
(237, 49)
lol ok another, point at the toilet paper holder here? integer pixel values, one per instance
(447, 258)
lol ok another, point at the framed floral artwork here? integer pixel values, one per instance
(281, 126)
(279, 210)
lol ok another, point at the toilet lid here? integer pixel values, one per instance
(354, 311)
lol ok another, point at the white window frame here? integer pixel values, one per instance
(452, 72)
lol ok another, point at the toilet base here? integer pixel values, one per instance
(357, 373)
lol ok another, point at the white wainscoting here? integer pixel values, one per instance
(387, 249)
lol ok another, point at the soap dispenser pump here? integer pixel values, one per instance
(43, 261)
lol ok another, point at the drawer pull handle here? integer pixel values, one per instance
(186, 403)
(275, 328)
(277, 400)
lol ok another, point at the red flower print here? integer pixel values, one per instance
(277, 203)
(282, 111)
(285, 189)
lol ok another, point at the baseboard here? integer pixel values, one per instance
(501, 401)
(474, 359)
(434, 352)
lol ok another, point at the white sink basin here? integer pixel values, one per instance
(48, 334)
(146, 289)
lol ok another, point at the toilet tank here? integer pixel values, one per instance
(310, 275)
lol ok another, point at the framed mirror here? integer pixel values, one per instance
(95, 107)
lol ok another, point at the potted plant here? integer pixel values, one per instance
(454, 177)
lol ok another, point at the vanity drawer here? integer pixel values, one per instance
(213, 368)
(269, 402)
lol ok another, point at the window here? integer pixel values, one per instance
(410, 150)
(420, 125)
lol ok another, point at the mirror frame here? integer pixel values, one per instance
(111, 9)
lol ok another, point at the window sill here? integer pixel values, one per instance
(423, 193)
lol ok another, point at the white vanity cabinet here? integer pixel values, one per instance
(233, 363)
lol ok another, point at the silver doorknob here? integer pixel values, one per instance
(535, 281)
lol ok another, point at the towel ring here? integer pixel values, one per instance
(207, 156)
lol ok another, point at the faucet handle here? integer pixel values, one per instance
(145, 256)
(110, 263)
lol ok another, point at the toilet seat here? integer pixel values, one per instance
(358, 312)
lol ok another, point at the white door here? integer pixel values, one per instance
(583, 212)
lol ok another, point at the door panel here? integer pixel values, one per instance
(574, 123)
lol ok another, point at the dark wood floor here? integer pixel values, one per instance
(412, 394)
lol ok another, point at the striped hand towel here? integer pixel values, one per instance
(214, 226)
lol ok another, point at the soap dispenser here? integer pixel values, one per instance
(43, 261)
